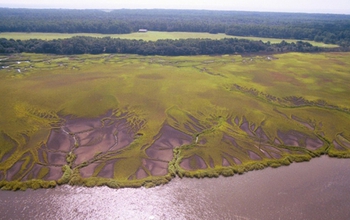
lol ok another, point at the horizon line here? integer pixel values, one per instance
(183, 9)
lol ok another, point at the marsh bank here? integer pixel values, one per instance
(312, 190)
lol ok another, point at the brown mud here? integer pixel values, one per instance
(140, 174)
(108, 170)
(54, 173)
(169, 138)
(56, 158)
(59, 141)
(306, 124)
(254, 156)
(94, 148)
(225, 163)
(34, 173)
(156, 168)
(16, 168)
(194, 162)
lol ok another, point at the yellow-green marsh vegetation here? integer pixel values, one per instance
(129, 121)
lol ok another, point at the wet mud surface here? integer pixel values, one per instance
(99, 145)
(83, 137)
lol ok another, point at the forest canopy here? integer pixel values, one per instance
(94, 45)
(327, 28)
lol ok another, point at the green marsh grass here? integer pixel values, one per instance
(197, 96)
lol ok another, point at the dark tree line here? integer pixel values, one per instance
(92, 45)
(326, 28)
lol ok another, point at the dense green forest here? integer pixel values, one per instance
(94, 45)
(327, 28)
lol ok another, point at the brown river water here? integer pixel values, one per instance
(319, 189)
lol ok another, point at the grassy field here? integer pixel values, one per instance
(128, 120)
(149, 36)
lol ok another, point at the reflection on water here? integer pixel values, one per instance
(318, 189)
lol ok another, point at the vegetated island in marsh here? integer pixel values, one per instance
(182, 47)
(129, 121)
(153, 36)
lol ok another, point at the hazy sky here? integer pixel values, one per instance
(310, 6)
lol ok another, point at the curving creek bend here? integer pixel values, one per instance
(318, 189)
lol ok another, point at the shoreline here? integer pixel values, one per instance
(148, 182)
(313, 190)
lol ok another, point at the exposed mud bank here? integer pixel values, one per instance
(92, 151)
(313, 190)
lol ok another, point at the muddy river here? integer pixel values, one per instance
(319, 189)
